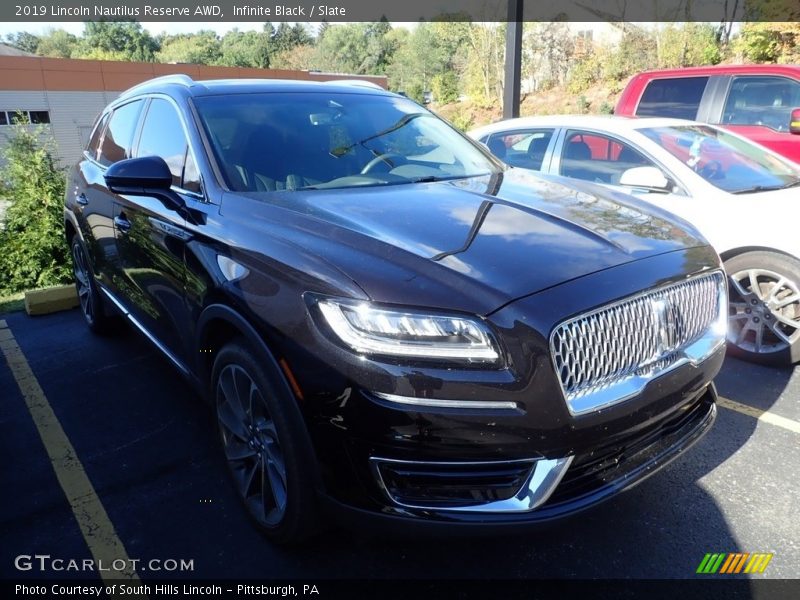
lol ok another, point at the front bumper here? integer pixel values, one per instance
(493, 465)
(590, 479)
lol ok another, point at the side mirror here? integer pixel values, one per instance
(146, 176)
(794, 121)
(649, 178)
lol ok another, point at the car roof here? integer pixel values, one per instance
(721, 70)
(604, 122)
(214, 87)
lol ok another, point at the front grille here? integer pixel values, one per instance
(633, 339)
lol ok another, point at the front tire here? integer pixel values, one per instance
(764, 309)
(265, 445)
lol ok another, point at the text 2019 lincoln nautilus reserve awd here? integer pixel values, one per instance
(390, 323)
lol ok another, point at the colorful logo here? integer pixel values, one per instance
(734, 562)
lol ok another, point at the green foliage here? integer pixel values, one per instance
(299, 58)
(769, 42)
(462, 120)
(22, 40)
(605, 108)
(245, 49)
(444, 87)
(582, 104)
(585, 73)
(57, 43)
(202, 48)
(33, 250)
(636, 52)
(122, 40)
(688, 45)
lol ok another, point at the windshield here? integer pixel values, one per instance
(296, 141)
(724, 160)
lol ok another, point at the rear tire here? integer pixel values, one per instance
(265, 444)
(91, 303)
(764, 309)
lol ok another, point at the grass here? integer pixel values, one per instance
(12, 302)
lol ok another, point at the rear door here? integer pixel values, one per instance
(93, 201)
(152, 238)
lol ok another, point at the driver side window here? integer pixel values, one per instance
(162, 135)
(598, 158)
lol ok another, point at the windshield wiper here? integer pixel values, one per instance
(402, 122)
(432, 178)
(765, 188)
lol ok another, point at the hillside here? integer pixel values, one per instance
(467, 114)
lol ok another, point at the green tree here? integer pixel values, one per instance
(688, 45)
(22, 40)
(126, 40)
(33, 251)
(343, 47)
(202, 48)
(57, 43)
(245, 49)
(299, 58)
(769, 42)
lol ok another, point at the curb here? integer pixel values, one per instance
(50, 300)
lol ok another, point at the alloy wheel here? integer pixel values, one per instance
(83, 281)
(764, 313)
(251, 445)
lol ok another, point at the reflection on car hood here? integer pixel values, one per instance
(511, 234)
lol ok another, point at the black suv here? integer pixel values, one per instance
(387, 320)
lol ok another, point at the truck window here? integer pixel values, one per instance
(766, 101)
(678, 98)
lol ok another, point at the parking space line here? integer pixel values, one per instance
(761, 415)
(92, 518)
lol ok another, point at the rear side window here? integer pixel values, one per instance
(162, 135)
(522, 148)
(766, 101)
(117, 141)
(94, 141)
(677, 98)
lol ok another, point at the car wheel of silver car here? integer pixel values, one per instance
(764, 314)
(264, 446)
(90, 301)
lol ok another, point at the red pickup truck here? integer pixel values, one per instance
(759, 102)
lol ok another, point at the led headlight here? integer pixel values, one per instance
(372, 330)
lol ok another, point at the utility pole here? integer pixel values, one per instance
(513, 68)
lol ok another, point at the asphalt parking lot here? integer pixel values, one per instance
(148, 447)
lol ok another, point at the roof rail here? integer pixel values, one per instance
(356, 82)
(179, 79)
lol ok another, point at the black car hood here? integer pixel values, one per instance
(503, 236)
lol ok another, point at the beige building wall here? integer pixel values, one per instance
(74, 92)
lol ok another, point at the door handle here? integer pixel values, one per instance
(82, 199)
(122, 224)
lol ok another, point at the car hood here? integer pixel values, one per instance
(497, 237)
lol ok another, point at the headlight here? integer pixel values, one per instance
(371, 330)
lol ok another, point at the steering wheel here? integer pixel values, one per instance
(379, 159)
(711, 170)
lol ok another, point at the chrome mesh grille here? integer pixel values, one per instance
(634, 337)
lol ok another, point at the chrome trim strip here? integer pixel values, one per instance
(437, 403)
(542, 480)
(146, 333)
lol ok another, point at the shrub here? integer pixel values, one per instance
(33, 250)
